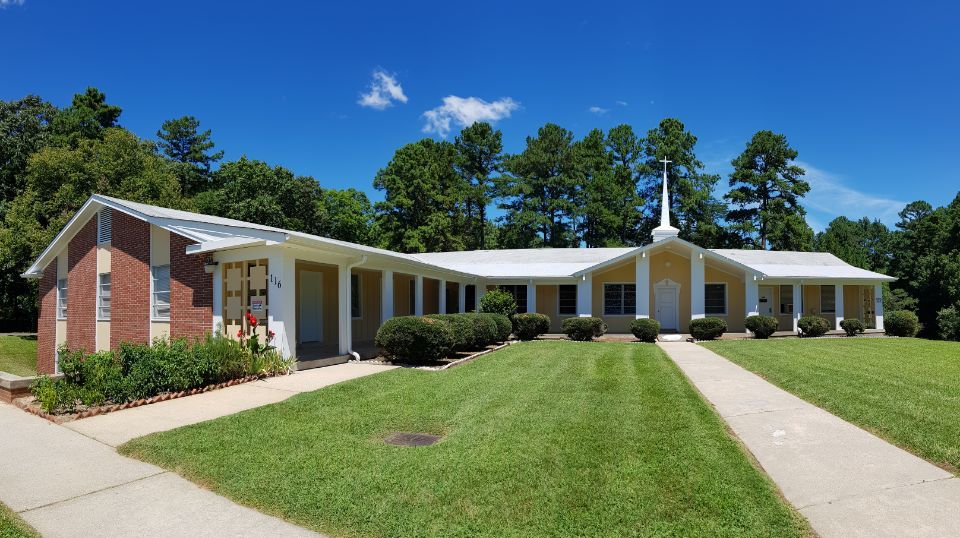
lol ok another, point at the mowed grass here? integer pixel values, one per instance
(18, 355)
(542, 439)
(905, 390)
(11, 526)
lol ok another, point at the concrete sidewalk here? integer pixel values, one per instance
(844, 480)
(119, 427)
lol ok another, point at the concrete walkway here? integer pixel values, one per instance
(845, 481)
(71, 482)
(119, 427)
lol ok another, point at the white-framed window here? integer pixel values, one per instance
(519, 292)
(567, 299)
(103, 296)
(104, 225)
(786, 299)
(715, 298)
(160, 292)
(62, 298)
(619, 299)
(356, 304)
(828, 300)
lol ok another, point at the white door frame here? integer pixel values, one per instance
(769, 303)
(667, 284)
(319, 311)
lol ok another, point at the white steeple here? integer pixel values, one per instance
(664, 230)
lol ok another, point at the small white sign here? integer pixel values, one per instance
(256, 304)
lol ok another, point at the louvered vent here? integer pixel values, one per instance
(104, 225)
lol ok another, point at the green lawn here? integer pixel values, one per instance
(11, 526)
(542, 438)
(905, 390)
(18, 355)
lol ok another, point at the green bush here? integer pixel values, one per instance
(487, 328)
(498, 301)
(531, 325)
(709, 328)
(464, 331)
(583, 329)
(218, 358)
(761, 326)
(813, 326)
(645, 329)
(948, 322)
(852, 326)
(54, 395)
(901, 323)
(503, 326)
(415, 338)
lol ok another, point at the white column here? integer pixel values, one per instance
(878, 308)
(838, 301)
(797, 304)
(418, 296)
(697, 300)
(531, 297)
(442, 296)
(345, 321)
(643, 285)
(752, 295)
(386, 295)
(281, 303)
(480, 289)
(585, 296)
(461, 297)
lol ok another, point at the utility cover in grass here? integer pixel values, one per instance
(411, 439)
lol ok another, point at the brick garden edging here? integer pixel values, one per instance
(28, 406)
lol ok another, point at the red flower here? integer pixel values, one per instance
(271, 334)
(240, 333)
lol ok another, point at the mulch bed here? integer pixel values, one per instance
(444, 364)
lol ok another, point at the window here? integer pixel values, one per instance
(104, 225)
(786, 299)
(619, 299)
(62, 298)
(519, 292)
(828, 300)
(715, 299)
(103, 296)
(567, 297)
(470, 304)
(160, 296)
(355, 301)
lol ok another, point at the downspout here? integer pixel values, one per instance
(350, 351)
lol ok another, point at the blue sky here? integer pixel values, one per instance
(865, 91)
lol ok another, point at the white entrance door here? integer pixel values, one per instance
(311, 306)
(667, 312)
(766, 300)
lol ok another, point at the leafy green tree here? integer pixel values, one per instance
(182, 142)
(24, 129)
(479, 156)
(766, 192)
(539, 192)
(863, 243)
(346, 215)
(693, 208)
(424, 205)
(86, 118)
(626, 150)
(253, 191)
(599, 195)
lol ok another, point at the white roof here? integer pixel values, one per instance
(218, 233)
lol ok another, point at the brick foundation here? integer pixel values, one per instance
(130, 280)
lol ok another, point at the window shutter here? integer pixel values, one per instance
(104, 225)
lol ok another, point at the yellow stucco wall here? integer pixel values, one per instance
(736, 297)
(668, 265)
(365, 328)
(159, 329)
(431, 296)
(623, 273)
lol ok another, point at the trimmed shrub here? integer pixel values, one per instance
(813, 326)
(415, 338)
(583, 329)
(503, 324)
(645, 329)
(709, 328)
(464, 331)
(531, 325)
(948, 322)
(498, 301)
(901, 323)
(852, 326)
(219, 358)
(761, 326)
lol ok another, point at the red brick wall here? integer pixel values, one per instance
(130, 280)
(191, 291)
(47, 320)
(82, 288)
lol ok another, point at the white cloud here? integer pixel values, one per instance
(465, 111)
(598, 110)
(621, 103)
(8, 3)
(830, 197)
(384, 91)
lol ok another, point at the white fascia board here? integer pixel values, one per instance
(86, 211)
(520, 280)
(225, 244)
(694, 249)
(821, 281)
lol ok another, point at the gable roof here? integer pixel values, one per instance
(218, 233)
